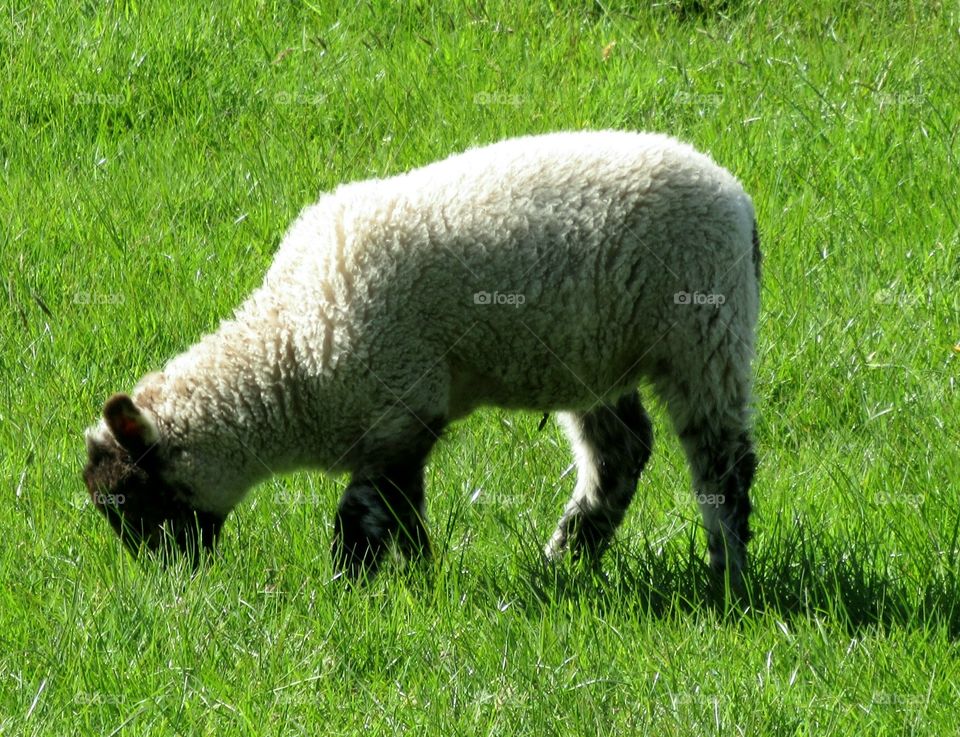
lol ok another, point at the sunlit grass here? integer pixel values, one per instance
(152, 156)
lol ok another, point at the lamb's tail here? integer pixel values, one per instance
(757, 258)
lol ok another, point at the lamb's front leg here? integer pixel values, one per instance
(378, 508)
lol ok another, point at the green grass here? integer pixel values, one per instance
(151, 157)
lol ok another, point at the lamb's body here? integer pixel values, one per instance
(543, 273)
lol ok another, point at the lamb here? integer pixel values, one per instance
(552, 273)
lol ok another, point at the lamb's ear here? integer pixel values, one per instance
(132, 428)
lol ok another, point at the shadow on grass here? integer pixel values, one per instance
(702, 10)
(853, 585)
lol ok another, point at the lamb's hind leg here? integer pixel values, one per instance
(611, 445)
(713, 429)
(723, 463)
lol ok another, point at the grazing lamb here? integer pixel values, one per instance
(548, 272)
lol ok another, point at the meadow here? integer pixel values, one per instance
(151, 157)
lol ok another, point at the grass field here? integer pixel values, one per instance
(151, 157)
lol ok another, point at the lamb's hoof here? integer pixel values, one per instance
(553, 552)
(727, 584)
(354, 562)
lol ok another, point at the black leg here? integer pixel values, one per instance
(713, 424)
(722, 462)
(729, 468)
(361, 530)
(384, 507)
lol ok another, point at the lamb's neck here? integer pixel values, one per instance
(238, 395)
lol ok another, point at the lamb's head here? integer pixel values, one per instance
(128, 477)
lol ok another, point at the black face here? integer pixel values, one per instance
(144, 510)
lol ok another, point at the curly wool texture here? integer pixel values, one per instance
(544, 272)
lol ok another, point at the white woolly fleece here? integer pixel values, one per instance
(544, 272)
